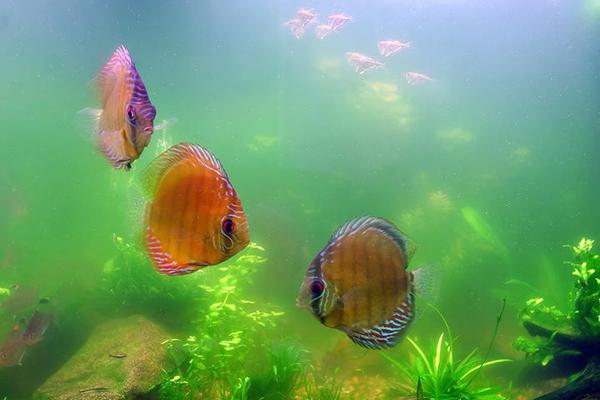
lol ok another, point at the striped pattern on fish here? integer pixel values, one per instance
(126, 121)
(194, 217)
(359, 284)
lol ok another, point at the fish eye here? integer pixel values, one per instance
(317, 287)
(228, 226)
(131, 114)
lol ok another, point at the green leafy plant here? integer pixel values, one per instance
(230, 331)
(583, 317)
(436, 373)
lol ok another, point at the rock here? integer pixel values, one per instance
(122, 359)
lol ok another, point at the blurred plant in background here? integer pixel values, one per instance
(130, 285)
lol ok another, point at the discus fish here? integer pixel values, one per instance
(125, 122)
(36, 327)
(194, 217)
(13, 348)
(359, 283)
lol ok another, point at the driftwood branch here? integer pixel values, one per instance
(585, 344)
(588, 383)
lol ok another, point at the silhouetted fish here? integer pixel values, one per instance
(12, 348)
(36, 327)
(20, 299)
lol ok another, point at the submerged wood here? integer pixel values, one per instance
(586, 386)
(586, 344)
(588, 383)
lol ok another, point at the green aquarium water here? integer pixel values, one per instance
(488, 160)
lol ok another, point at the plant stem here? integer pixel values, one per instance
(489, 349)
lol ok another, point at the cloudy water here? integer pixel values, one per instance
(473, 131)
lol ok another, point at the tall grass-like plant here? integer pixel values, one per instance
(436, 373)
(321, 388)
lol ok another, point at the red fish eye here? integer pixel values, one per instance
(317, 288)
(228, 226)
(131, 113)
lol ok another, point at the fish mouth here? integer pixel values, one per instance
(124, 164)
(149, 130)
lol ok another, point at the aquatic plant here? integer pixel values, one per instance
(287, 362)
(581, 320)
(325, 388)
(130, 285)
(437, 374)
(230, 330)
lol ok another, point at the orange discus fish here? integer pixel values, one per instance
(194, 217)
(126, 121)
(359, 283)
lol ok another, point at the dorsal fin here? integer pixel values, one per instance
(193, 153)
(386, 227)
(120, 62)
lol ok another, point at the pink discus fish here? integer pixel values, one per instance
(12, 348)
(415, 78)
(390, 47)
(337, 21)
(126, 119)
(362, 63)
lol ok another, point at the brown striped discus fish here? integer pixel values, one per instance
(194, 217)
(359, 283)
(125, 122)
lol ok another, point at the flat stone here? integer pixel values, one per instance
(122, 359)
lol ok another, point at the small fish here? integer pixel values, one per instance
(322, 31)
(125, 122)
(194, 217)
(306, 15)
(20, 299)
(36, 327)
(337, 21)
(12, 348)
(296, 27)
(94, 389)
(415, 78)
(359, 283)
(362, 63)
(117, 355)
(390, 47)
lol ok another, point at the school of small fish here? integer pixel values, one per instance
(361, 63)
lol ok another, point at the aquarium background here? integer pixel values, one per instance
(490, 169)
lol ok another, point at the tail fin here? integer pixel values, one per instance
(426, 282)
